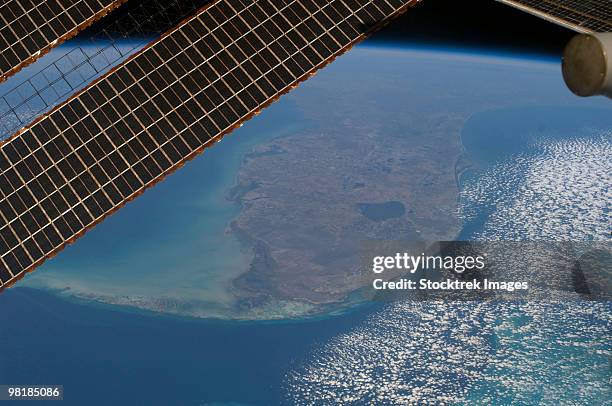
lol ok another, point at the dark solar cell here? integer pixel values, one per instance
(101, 119)
(108, 167)
(5, 188)
(103, 201)
(190, 139)
(13, 178)
(88, 101)
(11, 153)
(179, 145)
(24, 197)
(33, 250)
(169, 150)
(9, 236)
(90, 183)
(139, 151)
(75, 163)
(228, 113)
(43, 242)
(21, 255)
(26, 34)
(111, 191)
(161, 159)
(5, 276)
(63, 228)
(62, 145)
(20, 231)
(72, 221)
(45, 182)
(98, 173)
(24, 171)
(123, 187)
(20, 147)
(131, 180)
(132, 123)
(92, 206)
(37, 191)
(49, 208)
(86, 156)
(55, 176)
(69, 195)
(142, 172)
(29, 223)
(52, 235)
(127, 154)
(82, 214)
(11, 262)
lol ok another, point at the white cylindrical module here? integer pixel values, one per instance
(587, 64)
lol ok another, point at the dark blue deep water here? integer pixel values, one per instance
(105, 357)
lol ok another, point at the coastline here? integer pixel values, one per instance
(405, 136)
(265, 278)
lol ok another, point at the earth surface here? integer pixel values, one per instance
(386, 143)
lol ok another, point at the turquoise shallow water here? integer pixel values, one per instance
(171, 250)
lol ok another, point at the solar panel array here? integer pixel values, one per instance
(579, 15)
(29, 28)
(109, 42)
(128, 130)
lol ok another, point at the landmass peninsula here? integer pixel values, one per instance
(381, 169)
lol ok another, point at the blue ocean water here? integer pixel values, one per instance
(514, 134)
(103, 355)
